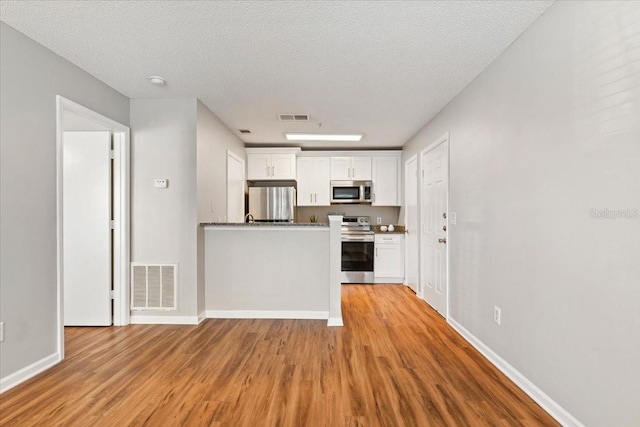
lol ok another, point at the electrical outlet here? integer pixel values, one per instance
(379, 220)
(1, 331)
(452, 218)
(496, 314)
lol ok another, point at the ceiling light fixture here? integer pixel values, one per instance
(322, 137)
(157, 80)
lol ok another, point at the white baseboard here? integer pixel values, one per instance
(266, 314)
(542, 399)
(201, 317)
(335, 321)
(27, 372)
(164, 320)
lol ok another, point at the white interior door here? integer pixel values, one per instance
(412, 223)
(86, 228)
(434, 203)
(235, 188)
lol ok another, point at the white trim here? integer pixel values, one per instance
(30, 371)
(348, 153)
(164, 320)
(201, 317)
(406, 219)
(266, 314)
(121, 234)
(335, 321)
(271, 150)
(548, 404)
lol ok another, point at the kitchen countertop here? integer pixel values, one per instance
(398, 229)
(267, 224)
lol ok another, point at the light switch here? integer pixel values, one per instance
(161, 183)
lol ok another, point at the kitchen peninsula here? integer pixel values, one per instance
(273, 270)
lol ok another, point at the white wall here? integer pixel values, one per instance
(183, 141)
(550, 131)
(30, 78)
(214, 139)
(283, 269)
(164, 221)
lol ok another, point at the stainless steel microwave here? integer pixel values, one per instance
(356, 192)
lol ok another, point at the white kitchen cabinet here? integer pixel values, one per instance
(356, 168)
(271, 164)
(388, 265)
(313, 181)
(386, 181)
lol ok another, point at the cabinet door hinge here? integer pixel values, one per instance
(112, 294)
(112, 154)
(112, 224)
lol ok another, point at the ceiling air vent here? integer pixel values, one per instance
(244, 130)
(293, 117)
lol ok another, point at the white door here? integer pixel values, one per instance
(412, 222)
(86, 214)
(435, 190)
(235, 188)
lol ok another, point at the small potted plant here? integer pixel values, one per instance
(313, 219)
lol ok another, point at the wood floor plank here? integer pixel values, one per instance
(395, 363)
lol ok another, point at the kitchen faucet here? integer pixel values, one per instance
(249, 218)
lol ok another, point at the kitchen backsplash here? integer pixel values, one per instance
(388, 214)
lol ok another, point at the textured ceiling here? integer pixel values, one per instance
(379, 68)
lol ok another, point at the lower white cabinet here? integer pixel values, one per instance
(388, 264)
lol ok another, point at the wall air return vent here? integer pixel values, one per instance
(293, 117)
(244, 130)
(153, 286)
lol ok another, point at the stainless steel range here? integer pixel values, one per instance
(357, 250)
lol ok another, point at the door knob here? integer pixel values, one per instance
(442, 240)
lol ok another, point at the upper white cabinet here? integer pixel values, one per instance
(313, 181)
(386, 180)
(356, 168)
(271, 163)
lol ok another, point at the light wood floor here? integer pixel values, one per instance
(394, 363)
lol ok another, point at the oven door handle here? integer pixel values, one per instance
(357, 238)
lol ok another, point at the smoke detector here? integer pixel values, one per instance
(157, 80)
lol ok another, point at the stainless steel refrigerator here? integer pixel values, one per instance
(272, 204)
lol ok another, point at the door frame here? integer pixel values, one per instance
(444, 138)
(121, 210)
(234, 156)
(406, 219)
